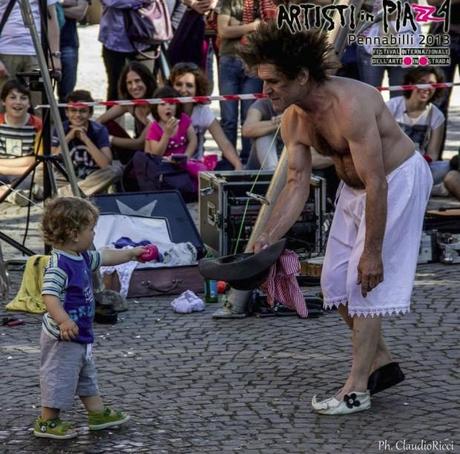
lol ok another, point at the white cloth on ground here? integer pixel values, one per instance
(187, 302)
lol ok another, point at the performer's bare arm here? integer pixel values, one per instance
(359, 127)
(292, 198)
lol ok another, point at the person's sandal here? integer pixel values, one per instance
(54, 428)
(107, 418)
(351, 403)
(385, 377)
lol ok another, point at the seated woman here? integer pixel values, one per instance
(136, 82)
(189, 80)
(19, 139)
(261, 125)
(424, 123)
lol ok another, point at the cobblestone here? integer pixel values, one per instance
(197, 385)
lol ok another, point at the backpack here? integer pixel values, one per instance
(157, 12)
(154, 174)
(148, 26)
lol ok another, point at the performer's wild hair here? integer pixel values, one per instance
(289, 52)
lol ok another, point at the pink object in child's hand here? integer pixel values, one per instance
(150, 253)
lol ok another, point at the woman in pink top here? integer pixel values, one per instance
(172, 132)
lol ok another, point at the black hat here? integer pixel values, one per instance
(245, 271)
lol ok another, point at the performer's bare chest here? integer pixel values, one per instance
(329, 143)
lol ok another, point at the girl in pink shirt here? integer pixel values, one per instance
(172, 132)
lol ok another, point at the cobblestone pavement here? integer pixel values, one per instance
(194, 384)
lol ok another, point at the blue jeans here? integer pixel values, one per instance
(69, 62)
(234, 80)
(439, 169)
(373, 75)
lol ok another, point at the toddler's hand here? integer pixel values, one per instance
(68, 330)
(150, 253)
(137, 252)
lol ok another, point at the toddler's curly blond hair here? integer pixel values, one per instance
(64, 216)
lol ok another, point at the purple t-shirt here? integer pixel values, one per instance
(68, 277)
(178, 143)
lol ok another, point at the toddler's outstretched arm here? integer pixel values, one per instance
(115, 257)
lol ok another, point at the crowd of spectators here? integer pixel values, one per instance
(102, 150)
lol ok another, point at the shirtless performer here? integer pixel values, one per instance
(373, 245)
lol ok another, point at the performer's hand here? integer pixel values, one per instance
(370, 272)
(261, 243)
(68, 330)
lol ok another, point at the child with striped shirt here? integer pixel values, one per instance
(66, 366)
(19, 138)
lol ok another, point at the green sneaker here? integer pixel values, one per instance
(54, 428)
(108, 418)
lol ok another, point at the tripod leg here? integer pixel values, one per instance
(16, 245)
(49, 180)
(18, 181)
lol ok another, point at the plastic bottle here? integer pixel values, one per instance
(210, 291)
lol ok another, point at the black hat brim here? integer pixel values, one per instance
(243, 271)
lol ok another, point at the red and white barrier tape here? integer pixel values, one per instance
(419, 86)
(207, 99)
(144, 102)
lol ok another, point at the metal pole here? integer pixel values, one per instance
(30, 24)
(236, 304)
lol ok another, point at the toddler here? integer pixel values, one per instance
(66, 365)
(172, 131)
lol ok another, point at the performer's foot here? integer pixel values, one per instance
(385, 377)
(349, 403)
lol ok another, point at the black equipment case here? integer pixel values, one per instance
(223, 212)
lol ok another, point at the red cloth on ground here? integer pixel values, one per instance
(282, 286)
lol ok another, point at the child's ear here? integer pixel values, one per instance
(74, 236)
